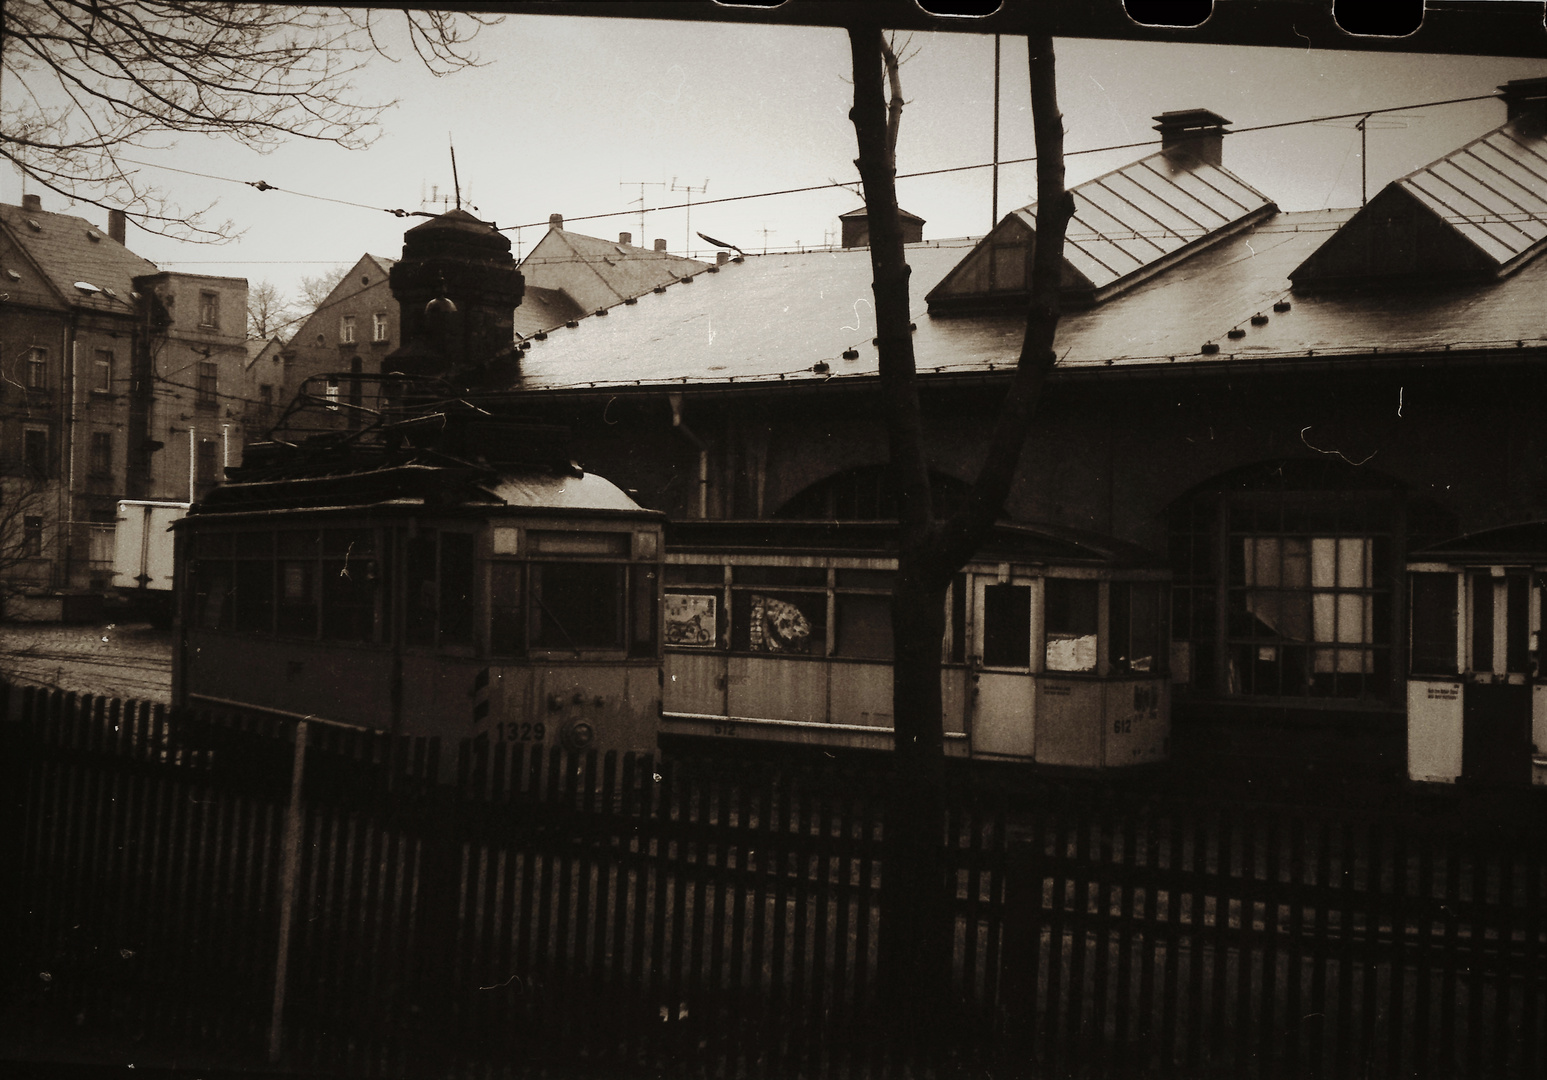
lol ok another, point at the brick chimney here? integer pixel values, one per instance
(117, 225)
(1524, 97)
(660, 243)
(625, 238)
(1198, 132)
(555, 221)
(32, 202)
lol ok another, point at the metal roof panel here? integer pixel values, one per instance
(770, 319)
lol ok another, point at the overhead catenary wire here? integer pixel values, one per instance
(264, 185)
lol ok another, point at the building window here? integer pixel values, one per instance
(346, 329)
(379, 326)
(32, 537)
(101, 455)
(209, 309)
(37, 368)
(208, 382)
(35, 452)
(102, 372)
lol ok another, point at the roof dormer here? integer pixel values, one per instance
(1477, 214)
(1128, 225)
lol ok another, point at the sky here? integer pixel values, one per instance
(572, 115)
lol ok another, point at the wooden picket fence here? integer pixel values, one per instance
(507, 909)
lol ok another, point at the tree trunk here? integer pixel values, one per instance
(917, 925)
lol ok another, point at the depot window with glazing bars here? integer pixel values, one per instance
(1304, 609)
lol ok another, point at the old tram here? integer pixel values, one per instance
(780, 632)
(1476, 692)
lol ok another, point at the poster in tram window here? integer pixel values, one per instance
(691, 619)
(778, 626)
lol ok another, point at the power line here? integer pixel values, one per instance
(263, 185)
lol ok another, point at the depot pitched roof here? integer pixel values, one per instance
(794, 318)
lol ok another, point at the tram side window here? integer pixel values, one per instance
(779, 620)
(422, 592)
(439, 569)
(864, 619)
(694, 615)
(1136, 621)
(212, 584)
(349, 585)
(297, 608)
(1007, 626)
(1071, 624)
(456, 588)
(644, 618)
(1435, 608)
(577, 606)
(505, 636)
(254, 597)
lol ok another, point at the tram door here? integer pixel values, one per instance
(1004, 706)
(1496, 704)
(1470, 690)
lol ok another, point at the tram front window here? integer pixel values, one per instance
(1136, 627)
(1071, 624)
(1007, 626)
(577, 606)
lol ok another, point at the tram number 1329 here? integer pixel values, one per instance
(522, 731)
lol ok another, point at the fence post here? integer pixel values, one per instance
(289, 871)
(1021, 923)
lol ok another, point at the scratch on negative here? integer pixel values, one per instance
(1339, 453)
(857, 303)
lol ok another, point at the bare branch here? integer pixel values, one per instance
(86, 79)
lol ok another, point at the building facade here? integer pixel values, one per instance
(115, 377)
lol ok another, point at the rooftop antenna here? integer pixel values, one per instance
(687, 232)
(1364, 125)
(641, 201)
(455, 183)
(765, 231)
(994, 205)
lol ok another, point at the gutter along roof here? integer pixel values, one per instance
(771, 319)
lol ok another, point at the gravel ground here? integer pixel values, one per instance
(115, 660)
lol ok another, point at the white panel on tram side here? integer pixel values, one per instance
(695, 682)
(861, 693)
(777, 688)
(1434, 730)
(1070, 722)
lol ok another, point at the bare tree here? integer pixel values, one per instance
(267, 310)
(24, 504)
(316, 287)
(88, 82)
(917, 927)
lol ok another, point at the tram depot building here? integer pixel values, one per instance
(1287, 406)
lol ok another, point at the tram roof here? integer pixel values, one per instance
(1017, 541)
(423, 487)
(1506, 543)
